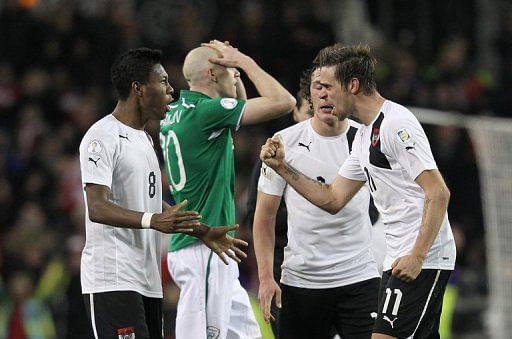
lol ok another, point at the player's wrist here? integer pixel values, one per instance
(145, 222)
(200, 231)
(265, 277)
(246, 62)
(420, 256)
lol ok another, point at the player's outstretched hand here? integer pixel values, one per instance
(217, 239)
(272, 152)
(268, 290)
(229, 55)
(407, 268)
(173, 220)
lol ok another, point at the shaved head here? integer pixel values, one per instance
(196, 64)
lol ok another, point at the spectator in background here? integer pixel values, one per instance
(22, 315)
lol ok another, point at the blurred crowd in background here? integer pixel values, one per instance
(54, 83)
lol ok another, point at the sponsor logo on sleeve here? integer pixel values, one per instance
(228, 103)
(403, 135)
(95, 147)
(94, 161)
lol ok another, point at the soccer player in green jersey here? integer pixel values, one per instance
(196, 138)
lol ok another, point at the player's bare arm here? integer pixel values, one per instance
(331, 198)
(264, 241)
(102, 210)
(274, 100)
(437, 197)
(240, 88)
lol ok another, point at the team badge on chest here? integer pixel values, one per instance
(375, 136)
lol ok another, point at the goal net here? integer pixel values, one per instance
(492, 141)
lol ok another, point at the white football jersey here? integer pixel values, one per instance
(114, 258)
(389, 154)
(323, 250)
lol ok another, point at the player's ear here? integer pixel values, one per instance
(354, 86)
(137, 88)
(211, 75)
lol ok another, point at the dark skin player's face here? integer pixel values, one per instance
(157, 94)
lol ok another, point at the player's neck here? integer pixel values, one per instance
(329, 128)
(368, 107)
(126, 113)
(206, 90)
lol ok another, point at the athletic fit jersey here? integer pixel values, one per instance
(114, 258)
(323, 250)
(390, 153)
(199, 163)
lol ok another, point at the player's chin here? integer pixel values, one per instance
(160, 114)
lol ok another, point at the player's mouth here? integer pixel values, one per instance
(328, 109)
(168, 106)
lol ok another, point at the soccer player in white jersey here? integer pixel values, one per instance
(120, 269)
(392, 154)
(329, 276)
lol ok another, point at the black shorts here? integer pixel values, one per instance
(318, 313)
(124, 315)
(411, 308)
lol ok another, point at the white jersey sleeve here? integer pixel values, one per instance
(97, 151)
(270, 182)
(405, 140)
(351, 168)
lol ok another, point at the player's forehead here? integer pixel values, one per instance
(326, 74)
(157, 73)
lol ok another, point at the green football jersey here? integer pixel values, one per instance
(197, 143)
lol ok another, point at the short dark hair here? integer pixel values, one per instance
(133, 65)
(351, 62)
(304, 87)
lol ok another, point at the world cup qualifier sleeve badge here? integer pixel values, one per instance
(126, 333)
(212, 332)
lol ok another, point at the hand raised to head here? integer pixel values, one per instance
(229, 56)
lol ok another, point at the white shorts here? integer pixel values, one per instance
(212, 303)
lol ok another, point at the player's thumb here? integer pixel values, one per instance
(231, 227)
(277, 139)
(181, 205)
(395, 263)
(278, 299)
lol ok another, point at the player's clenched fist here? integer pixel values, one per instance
(272, 152)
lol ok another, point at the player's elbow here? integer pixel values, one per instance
(331, 210)
(285, 104)
(291, 102)
(440, 193)
(95, 214)
(445, 194)
(332, 207)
